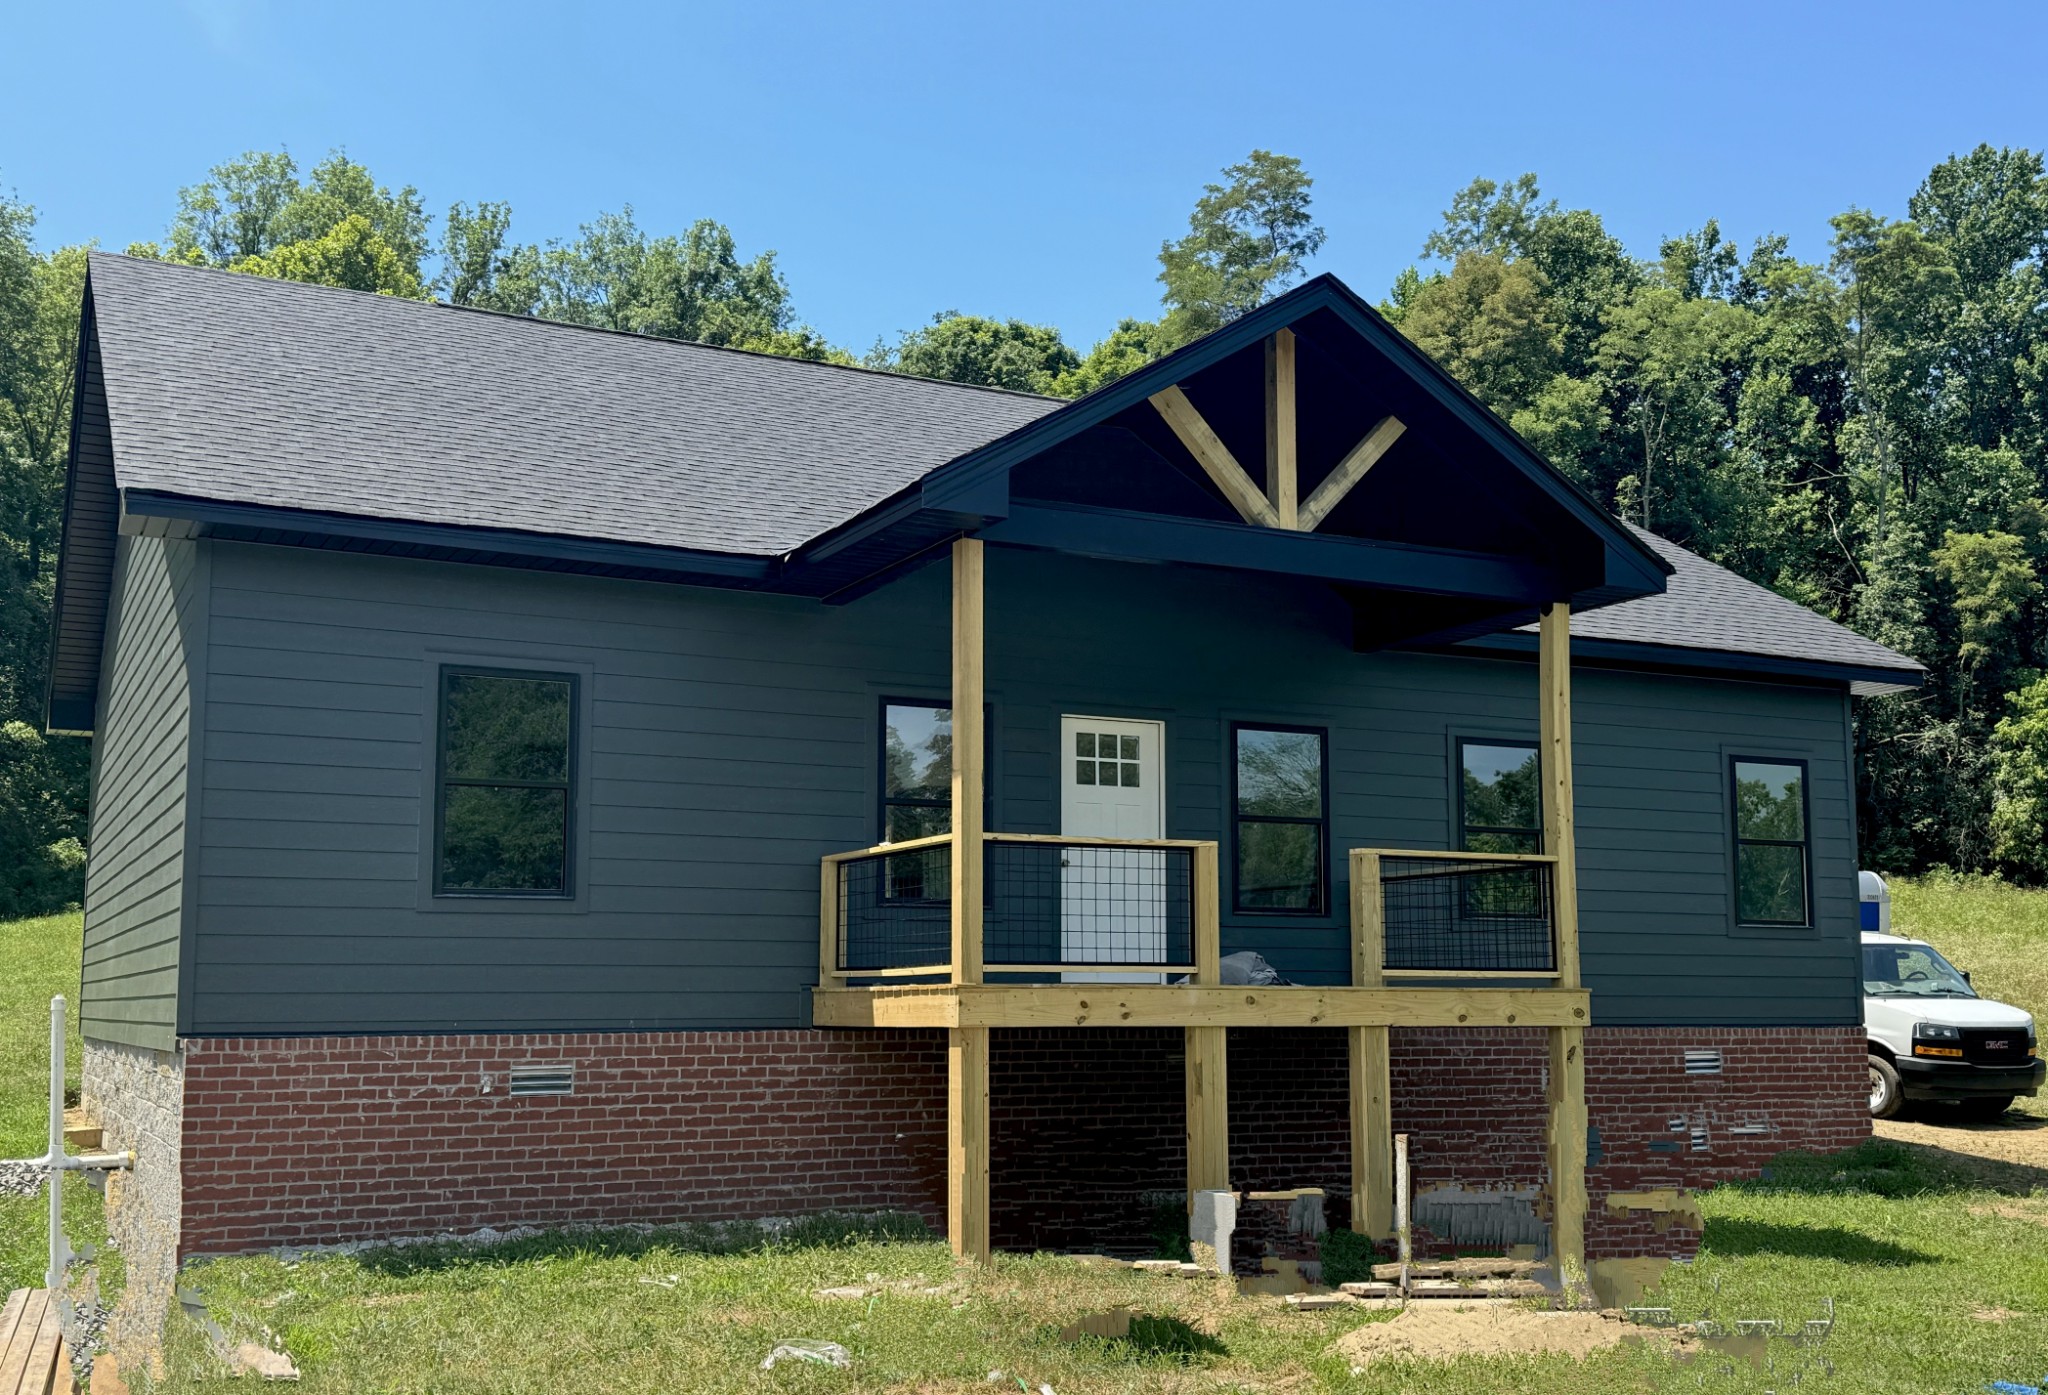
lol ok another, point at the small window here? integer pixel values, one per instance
(1282, 817)
(1500, 808)
(1770, 842)
(917, 770)
(504, 781)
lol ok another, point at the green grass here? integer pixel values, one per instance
(38, 958)
(1910, 1243)
(1997, 931)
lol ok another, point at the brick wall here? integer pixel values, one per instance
(314, 1140)
(323, 1139)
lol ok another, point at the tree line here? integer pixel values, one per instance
(1866, 435)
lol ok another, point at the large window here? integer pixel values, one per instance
(1500, 807)
(504, 783)
(1282, 816)
(1769, 799)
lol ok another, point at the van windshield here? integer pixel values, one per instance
(1910, 971)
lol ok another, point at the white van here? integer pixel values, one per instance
(1931, 1036)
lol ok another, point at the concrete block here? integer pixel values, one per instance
(1210, 1226)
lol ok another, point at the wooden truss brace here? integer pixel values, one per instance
(1278, 505)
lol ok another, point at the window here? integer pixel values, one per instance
(917, 770)
(505, 772)
(1282, 817)
(1500, 807)
(917, 797)
(1770, 841)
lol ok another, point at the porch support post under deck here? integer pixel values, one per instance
(1207, 1049)
(967, 1108)
(1372, 1094)
(1567, 1046)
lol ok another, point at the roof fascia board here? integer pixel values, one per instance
(1681, 658)
(75, 716)
(1127, 536)
(713, 567)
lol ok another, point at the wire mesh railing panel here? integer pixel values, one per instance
(1089, 903)
(896, 909)
(1443, 913)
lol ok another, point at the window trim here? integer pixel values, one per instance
(1736, 841)
(1460, 825)
(1321, 910)
(570, 785)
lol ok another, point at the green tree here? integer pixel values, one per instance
(256, 206)
(42, 782)
(992, 353)
(1488, 322)
(1247, 241)
(2019, 781)
(1129, 347)
(350, 255)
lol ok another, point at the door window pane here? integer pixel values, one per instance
(1282, 816)
(1771, 853)
(503, 785)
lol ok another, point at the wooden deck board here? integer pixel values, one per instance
(1194, 1005)
(34, 1357)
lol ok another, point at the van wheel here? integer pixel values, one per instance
(1885, 1094)
(1983, 1110)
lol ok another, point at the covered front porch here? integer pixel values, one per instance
(978, 929)
(1385, 488)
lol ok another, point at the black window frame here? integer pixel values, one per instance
(883, 803)
(1736, 842)
(1238, 820)
(1465, 826)
(568, 784)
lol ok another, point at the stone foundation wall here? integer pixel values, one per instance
(137, 1097)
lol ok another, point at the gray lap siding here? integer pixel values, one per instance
(731, 739)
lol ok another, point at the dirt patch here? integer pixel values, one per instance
(2015, 1211)
(1442, 1331)
(1995, 1315)
(2009, 1154)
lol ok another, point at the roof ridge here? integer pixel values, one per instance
(629, 334)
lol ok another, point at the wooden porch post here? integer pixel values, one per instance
(1207, 1049)
(1567, 1054)
(967, 1111)
(1372, 1095)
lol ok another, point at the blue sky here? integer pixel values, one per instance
(1019, 160)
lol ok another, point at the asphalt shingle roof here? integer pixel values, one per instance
(246, 390)
(1706, 606)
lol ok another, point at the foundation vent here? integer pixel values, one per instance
(543, 1078)
(1703, 1061)
(1700, 1139)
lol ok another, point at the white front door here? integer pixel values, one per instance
(1112, 900)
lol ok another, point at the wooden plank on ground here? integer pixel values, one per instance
(14, 1356)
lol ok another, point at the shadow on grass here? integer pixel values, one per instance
(821, 1232)
(1881, 1167)
(1157, 1341)
(1727, 1237)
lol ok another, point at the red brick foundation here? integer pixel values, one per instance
(313, 1140)
(317, 1140)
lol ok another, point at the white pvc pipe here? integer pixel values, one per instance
(58, 1162)
(60, 1248)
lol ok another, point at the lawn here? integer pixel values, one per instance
(1936, 1265)
(40, 959)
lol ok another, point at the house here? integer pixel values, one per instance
(533, 764)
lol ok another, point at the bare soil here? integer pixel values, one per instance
(2012, 1152)
(1443, 1331)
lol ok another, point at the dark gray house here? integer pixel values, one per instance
(534, 764)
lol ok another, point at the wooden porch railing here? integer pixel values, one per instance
(1051, 904)
(1420, 913)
